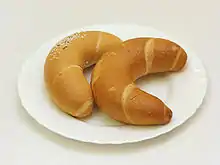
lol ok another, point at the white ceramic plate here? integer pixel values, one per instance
(183, 92)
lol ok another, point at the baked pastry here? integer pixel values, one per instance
(114, 75)
(64, 65)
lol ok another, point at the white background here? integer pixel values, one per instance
(26, 24)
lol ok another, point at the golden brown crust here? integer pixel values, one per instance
(63, 69)
(114, 75)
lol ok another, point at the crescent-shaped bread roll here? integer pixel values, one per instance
(114, 75)
(63, 69)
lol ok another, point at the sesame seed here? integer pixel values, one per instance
(64, 47)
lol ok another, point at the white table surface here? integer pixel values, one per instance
(26, 24)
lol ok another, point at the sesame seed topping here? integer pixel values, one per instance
(63, 44)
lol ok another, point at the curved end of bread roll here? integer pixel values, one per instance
(168, 114)
(180, 60)
(85, 110)
(82, 111)
(71, 95)
(142, 108)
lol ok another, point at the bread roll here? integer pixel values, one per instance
(63, 69)
(114, 75)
